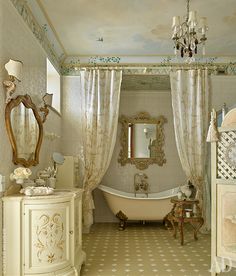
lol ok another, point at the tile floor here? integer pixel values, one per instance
(145, 250)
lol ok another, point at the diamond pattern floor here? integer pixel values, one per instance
(145, 250)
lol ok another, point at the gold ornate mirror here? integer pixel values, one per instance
(25, 130)
(142, 140)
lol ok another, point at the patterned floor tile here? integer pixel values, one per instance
(145, 250)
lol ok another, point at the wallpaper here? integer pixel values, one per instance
(20, 44)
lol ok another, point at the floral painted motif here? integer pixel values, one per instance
(38, 31)
(71, 68)
(50, 238)
(100, 59)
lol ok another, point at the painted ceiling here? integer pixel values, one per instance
(131, 27)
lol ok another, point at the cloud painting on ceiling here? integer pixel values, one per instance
(135, 27)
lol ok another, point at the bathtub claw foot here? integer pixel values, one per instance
(123, 220)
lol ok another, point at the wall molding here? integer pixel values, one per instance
(38, 31)
(73, 69)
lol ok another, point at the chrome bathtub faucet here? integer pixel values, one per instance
(140, 184)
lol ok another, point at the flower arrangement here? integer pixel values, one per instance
(19, 174)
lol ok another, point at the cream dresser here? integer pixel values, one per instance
(42, 235)
(223, 193)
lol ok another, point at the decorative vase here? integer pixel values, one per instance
(19, 180)
(187, 191)
(179, 195)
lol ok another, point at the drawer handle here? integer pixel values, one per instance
(71, 232)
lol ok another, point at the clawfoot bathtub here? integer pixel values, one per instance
(128, 207)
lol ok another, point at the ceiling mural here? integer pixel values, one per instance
(136, 27)
(94, 32)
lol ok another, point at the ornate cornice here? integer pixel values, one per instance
(40, 32)
(71, 65)
(159, 65)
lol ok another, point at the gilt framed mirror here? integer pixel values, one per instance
(25, 130)
(142, 140)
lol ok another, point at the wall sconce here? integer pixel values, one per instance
(14, 70)
(47, 100)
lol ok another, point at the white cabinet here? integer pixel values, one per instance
(223, 190)
(42, 234)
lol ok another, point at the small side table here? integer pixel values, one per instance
(184, 211)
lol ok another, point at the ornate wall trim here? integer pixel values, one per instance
(74, 66)
(38, 31)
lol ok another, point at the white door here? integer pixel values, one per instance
(47, 237)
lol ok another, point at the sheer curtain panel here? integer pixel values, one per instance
(190, 103)
(100, 98)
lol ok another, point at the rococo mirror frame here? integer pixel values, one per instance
(27, 102)
(142, 117)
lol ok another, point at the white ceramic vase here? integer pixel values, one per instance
(187, 191)
(179, 195)
(19, 180)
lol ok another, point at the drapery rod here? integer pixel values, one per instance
(148, 67)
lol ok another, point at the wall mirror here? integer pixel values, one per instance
(142, 140)
(25, 130)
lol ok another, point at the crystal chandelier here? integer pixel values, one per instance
(185, 34)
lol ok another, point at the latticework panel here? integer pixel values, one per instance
(226, 155)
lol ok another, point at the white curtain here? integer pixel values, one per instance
(190, 103)
(100, 98)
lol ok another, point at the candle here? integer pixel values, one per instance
(203, 29)
(203, 22)
(175, 30)
(203, 50)
(192, 17)
(188, 214)
(176, 21)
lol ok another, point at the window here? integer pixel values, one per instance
(54, 86)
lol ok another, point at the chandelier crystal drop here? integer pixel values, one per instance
(186, 35)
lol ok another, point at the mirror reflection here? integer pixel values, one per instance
(142, 140)
(25, 130)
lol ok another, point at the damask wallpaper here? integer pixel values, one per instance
(17, 42)
(20, 44)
